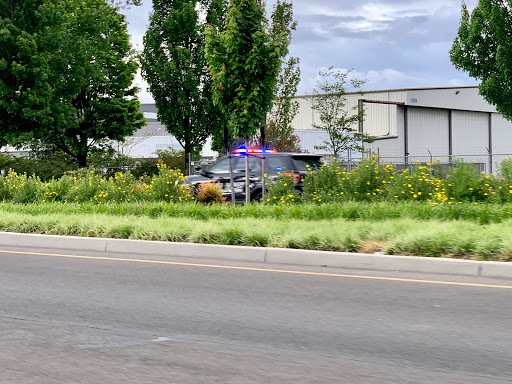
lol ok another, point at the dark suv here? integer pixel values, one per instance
(297, 164)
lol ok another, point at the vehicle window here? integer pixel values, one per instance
(238, 164)
(278, 163)
(221, 166)
(302, 163)
(254, 164)
(273, 163)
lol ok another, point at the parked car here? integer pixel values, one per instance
(296, 164)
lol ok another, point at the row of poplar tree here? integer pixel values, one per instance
(67, 71)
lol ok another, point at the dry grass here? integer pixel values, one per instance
(371, 246)
(210, 193)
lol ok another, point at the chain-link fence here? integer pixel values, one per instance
(485, 163)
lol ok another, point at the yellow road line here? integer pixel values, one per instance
(260, 269)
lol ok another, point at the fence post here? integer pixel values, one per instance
(489, 154)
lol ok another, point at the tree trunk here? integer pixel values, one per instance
(263, 181)
(81, 159)
(187, 162)
(247, 180)
(187, 144)
(227, 151)
(231, 181)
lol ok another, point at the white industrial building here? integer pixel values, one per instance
(410, 125)
(426, 124)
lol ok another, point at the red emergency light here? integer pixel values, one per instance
(254, 150)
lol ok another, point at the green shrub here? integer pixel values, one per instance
(503, 192)
(370, 180)
(418, 184)
(44, 164)
(109, 162)
(168, 185)
(119, 188)
(464, 183)
(282, 190)
(86, 185)
(328, 183)
(57, 189)
(19, 188)
(505, 172)
(173, 159)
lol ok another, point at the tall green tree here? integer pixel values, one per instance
(483, 48)
(25, 92)
(245, 58)
(66, 76)
(174, 65)
(330, 102)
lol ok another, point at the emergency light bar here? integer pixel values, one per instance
(254, 150)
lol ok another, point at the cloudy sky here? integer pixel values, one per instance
(390, 43)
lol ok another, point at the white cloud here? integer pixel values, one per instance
(390, 78)
(392, 43)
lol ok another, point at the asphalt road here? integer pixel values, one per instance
(92, 320)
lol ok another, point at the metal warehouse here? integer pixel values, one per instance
(410, 125)
(426, 124)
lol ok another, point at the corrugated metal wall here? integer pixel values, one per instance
(470, 132)
(305, 117)
(501, 138)
(428, 138)
(471, 137)
(428, 130)
(392, 147)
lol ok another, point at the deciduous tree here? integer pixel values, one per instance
(66, 74)
(330, 102)
(245, 59)
(174, 65)
(483, 48)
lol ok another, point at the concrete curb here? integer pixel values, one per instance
(265, 255)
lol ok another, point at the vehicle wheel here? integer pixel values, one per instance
(257, 195)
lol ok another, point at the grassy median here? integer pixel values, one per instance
(464, 230)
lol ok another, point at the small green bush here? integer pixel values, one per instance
(418, 184)
(464, 183)
(168, 185)
(370, 180)
(57, 189)
(19, 188)
(329, 183)
(282, 190)
(87, 183)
